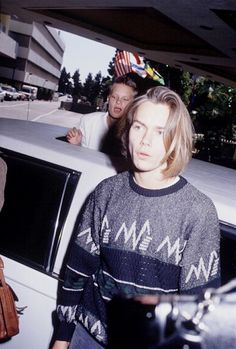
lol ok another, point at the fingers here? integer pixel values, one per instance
(74, 136)
(72, 132)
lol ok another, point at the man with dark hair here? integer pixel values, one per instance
(94, 128)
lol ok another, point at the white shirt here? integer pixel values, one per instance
(94, 127)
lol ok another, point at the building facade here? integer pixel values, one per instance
(30, 54)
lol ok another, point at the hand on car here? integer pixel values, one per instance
(74, 136)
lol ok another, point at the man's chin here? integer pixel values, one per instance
(141, 167)
(116, 116)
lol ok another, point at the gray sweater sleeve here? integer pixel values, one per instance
(201, 258)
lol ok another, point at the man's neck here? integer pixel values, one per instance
(153, 180)
(110, 120)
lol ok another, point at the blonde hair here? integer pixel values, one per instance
(178, 134)
(125, 81)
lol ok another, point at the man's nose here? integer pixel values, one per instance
(118, 101)
(147, 138)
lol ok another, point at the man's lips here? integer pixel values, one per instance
(117, 110)
(142, 154)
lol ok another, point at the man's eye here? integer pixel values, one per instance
(136, 126)
(160, 132)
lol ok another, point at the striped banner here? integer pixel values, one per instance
(122, 63)
(128, 62)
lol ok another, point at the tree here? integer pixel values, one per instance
(77, 85)
(105, 84)
(64, 81)
(111, 66)
(187, 88)
(212, 108)
(88, 87)
(96, 90)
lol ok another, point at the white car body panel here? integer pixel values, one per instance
(34, 289)
(219, 183)
(37, 292)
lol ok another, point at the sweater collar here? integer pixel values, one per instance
(156, 192)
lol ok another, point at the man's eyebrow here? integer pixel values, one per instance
(116, 95)
(141, 123)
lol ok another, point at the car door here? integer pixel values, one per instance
(38, 196)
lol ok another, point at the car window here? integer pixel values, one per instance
(228, 252)
(37, 199)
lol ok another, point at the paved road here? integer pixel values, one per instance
(39, 111)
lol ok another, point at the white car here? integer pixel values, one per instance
(69, 98)
(2, 94)
(10, 93)
(48, 181)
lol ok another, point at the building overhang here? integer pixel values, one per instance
(8, 46)
(197, 36)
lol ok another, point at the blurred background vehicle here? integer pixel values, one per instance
(10, 93)
(69, 98)
(2, 95)
(29, 92)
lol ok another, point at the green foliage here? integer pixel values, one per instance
(212, 105)
(96, 91)
(87, 90)
(111, 66)
(64, 84)
(187, 87)
(77, 84)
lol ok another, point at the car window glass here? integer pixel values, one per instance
(228, 252)
(37, 199)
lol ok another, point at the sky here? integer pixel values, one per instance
(86, 55)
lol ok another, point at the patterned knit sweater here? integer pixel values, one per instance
(131, 240)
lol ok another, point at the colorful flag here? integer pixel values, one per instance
(153, 74)
(122, 63)
(127, 62)
(137, 65)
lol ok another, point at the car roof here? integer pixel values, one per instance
(39, 139)
(219, 183)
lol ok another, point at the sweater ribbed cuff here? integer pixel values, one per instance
(65, 331)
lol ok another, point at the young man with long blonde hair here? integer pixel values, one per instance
(144, 231)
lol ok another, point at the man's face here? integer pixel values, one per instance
(146, 144)
(120, 96)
